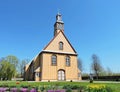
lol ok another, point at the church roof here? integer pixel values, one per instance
(65, 38)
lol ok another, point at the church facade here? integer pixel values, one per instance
(57, 61)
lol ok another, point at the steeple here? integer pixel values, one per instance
(59, 24)
(59, 18)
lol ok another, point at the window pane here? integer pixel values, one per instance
(37, 74)
(54, 60)
(61, 46)
(67, 61)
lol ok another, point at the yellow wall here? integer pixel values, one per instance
(37, 63)
(49, 72)
(54, 45)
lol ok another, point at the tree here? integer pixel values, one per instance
(80, 65)
(8, 67)
(12, 59)
(22, 65)
(7, 70)
(96, 66)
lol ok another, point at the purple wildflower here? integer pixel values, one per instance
(2, 89)
(33, 90)
(13, 90)
(24, 89)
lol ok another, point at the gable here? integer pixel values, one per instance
(54, 44)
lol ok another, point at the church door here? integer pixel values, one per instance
(61, 75)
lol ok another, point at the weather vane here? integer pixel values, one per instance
(58, 11)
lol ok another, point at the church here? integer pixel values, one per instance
(57, 61)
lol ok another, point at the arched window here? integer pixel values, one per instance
(60, 45)
(67, 61)
(54, 60)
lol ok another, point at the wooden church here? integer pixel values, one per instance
(57, 61)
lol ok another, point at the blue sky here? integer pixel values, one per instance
(92, 26)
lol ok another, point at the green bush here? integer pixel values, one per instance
(74, 87)
(68, 89)
(67, 86)
(41, 88)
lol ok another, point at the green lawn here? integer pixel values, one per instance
(114, 86)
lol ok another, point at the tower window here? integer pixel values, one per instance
(54, 60)
(60, 45)
(67, 61)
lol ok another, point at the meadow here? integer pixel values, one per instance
(115, 86)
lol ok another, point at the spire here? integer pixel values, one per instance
(59, 18)
(59, 24)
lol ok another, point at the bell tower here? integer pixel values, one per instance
(59, 24)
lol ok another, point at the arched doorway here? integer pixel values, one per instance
(61, 75)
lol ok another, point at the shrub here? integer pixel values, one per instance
(68, 88)
(41, 88)
(75, 87)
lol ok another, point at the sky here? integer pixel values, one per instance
(92, 27)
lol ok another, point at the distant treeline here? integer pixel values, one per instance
(103, 78)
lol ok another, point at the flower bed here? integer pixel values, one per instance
(98, 88)
(54, 87)
(3, 89)
(17, 90)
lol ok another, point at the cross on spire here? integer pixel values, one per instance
(58, 11)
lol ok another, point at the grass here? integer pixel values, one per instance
(114, 86)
